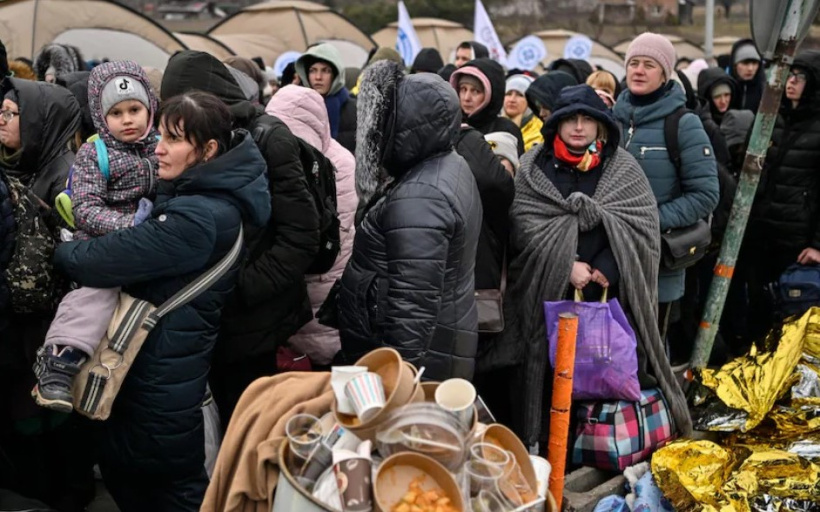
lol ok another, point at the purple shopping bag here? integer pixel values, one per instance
(606, 358)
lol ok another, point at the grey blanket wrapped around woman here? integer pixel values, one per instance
(545, 228)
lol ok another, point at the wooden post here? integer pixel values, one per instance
(561, 403)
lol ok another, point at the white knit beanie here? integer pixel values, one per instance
(656, 47)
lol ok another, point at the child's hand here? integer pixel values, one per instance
(143, 211)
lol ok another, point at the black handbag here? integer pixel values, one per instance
(683, 247)
(490, 305)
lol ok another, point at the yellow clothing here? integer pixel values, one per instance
(531, 132)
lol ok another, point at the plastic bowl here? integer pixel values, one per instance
(398, 471)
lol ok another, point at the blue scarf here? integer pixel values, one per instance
(334, 104)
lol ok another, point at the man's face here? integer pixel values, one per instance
(463, 56)
(320, 75)
(747, 69)
(722, 101)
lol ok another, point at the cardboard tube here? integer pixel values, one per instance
(561, 403)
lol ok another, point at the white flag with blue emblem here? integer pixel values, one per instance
(485, 34)
(527, 54)
(407, 42)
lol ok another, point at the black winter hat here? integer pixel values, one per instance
(546, 89)
(427, 61)
(584, 100)
(580, 69)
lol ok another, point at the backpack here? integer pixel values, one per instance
(797, 290)
(726, 182)
(321, 179)
(30, 273)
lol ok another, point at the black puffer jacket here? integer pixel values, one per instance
(749, 92)
(488, 119)
(786, 211)
(271, 302)
(410, 280)
(156, 425)
(497, 190)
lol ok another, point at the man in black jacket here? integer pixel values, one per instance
(747, 70)
(270, 302)
(784, 227)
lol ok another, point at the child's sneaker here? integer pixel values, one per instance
(55, 369)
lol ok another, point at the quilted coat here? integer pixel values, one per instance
(410, 280)
(7, 234)
(682, 199)
(101, 206)
(303, 111)
(786, 213)
(156, 426)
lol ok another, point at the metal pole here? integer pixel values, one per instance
(709, 37)
(749, 179)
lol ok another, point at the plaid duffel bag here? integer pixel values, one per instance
(613, 435)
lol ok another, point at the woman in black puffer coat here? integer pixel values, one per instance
(784, 226)
(7, 233)
(409, 283)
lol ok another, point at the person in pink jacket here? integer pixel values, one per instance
(303, 110)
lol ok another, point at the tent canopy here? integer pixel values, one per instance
(99, 28)
(601, 55)
(204, 43)
(272, 28)
(443, 35)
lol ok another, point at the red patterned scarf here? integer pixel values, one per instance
(589, 160)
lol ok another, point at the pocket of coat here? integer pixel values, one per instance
(360, 296)
(646, 151)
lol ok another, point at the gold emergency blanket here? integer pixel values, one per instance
(703, 476)
(773, 463)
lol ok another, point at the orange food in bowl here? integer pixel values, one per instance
(418, 500)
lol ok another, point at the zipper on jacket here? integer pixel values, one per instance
(630, 132)
(644, 149)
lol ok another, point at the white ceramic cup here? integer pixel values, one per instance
(457, 396)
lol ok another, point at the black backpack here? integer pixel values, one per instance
(321, 177)
(727, 183)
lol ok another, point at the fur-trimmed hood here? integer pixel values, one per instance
(402, 121)
(62, 58)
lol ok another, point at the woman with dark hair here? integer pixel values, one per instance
(212, 180)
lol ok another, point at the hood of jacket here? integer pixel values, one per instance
(238, 175)
(546, 89)
(808, 61)
(489, 72)
(735, 47)
(579, 69)
(192, 70)
(49, 119)
(100, 77)
(584, 100)
(402, 121)
(77, 83)
(325, 52)
(627, 113)
(304, 111)
(709, 78)
(63, 58)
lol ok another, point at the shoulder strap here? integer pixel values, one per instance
(671, 124)
(102, 157)
(199, 285)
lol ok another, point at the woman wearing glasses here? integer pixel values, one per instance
(784, 227)
(38, 126)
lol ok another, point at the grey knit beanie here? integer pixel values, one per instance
(122, 88)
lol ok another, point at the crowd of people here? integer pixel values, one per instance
(447, 179)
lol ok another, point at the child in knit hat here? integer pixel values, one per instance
(109, 186)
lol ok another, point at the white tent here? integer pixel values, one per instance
(99, 28)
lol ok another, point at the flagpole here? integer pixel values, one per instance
(709, 38)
